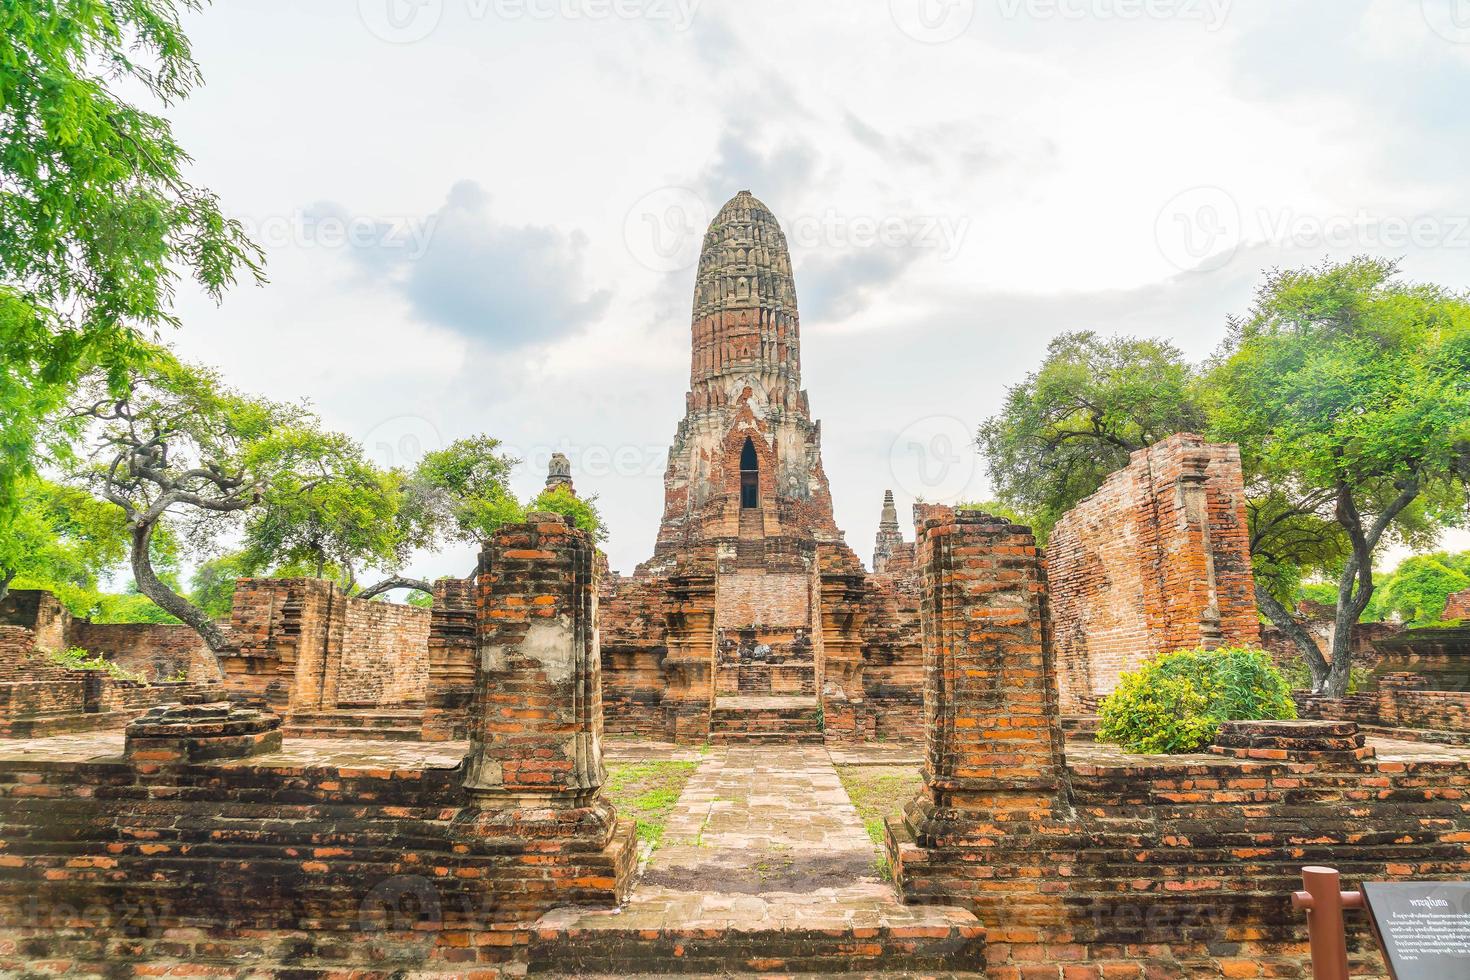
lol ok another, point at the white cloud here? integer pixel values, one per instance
(1054, 142)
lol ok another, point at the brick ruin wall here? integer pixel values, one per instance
(39, 698)
(1156, 560)
(1457, 606)
(631, 611)
(1086, 862)
(451, 665)
(385, 659)
(157, 651)
(304, 645)
(1080, 863)
(759, 598)
(893, 652)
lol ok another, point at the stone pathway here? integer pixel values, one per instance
(763, 837)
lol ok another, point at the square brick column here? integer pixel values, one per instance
(993, 810)
(534, 772)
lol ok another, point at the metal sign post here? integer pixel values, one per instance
(1323, 899)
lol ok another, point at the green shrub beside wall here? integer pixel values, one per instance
(1176, 701)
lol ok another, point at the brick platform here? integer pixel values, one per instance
(769, 719)
(1295, 741)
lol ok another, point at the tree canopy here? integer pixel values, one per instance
(1348, 393)
(98, 222)
(1347, 390)
(1074, 420)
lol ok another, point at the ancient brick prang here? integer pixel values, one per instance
(1156, 560)
(1457, 606)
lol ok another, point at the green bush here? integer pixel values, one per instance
(1176, 701)
(75, 658)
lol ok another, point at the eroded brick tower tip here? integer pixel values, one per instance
(746, 459)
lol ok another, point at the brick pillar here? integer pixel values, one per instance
(993, 808)
(689, 617)
(534, 771)
(840, 613)
(452, 645)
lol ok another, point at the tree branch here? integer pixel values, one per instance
(389, 584)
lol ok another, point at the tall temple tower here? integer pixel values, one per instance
(759, 599)
(746, 460)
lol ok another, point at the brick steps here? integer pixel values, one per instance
(386, 726)
(765, 720)
(942, 945)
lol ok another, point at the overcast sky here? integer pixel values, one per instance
(483, 215)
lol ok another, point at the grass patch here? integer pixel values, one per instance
(648, 792)
(879, 792)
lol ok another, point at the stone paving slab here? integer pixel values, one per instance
(615, 750)
(763, 838)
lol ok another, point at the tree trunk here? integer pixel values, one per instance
(1350, 606)
(167, 599)
(1287, 624)
(5, 581)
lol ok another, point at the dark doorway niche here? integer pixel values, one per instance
(750, 477)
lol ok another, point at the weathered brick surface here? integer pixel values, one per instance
(631, 618)
(1106, 864)
(207, 844)
(157, 651)
(304, 645)
(40, 612)
(1458, 606)
(38, 697)
(450, 681)
(1156, 560)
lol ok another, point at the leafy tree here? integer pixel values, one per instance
(463, 490)
(582, 510)
(62, 539)
(1075, 420)
(1349, 395)
(97, 223)
(214, 582)
(341, 515)
(1418, 589)
(128, 607)
(176, 443)
(457, 494)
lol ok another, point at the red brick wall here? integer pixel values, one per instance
(1156, 560)
(302, 645)
(451, 681)
(631, 628)
(157, 651)
(1458, 606)
(40, 612)
(385, 654)
(893, 654)
(758, 598)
